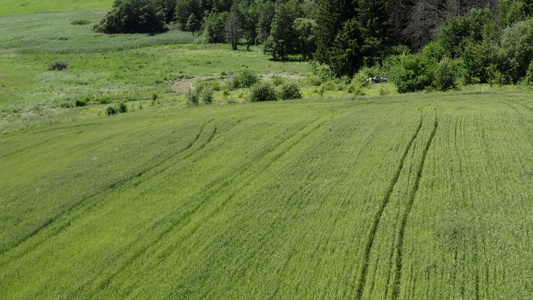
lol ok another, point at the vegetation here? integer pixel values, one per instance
(133, 16)
(351, 192)
(369, 198)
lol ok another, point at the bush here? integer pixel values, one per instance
(207, 96)
(58, 66)
(445, 75)
(244, 79)
(193, 97)
(122, 108)
(80, 22)
(411, 73)
(133, 16)
(263, 92)
(290, 91)
(82, 102)
(516, 49)
(111, 111)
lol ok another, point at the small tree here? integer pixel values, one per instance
(305, 29)
(233, 30)
(283, 37)
(193, 24)
(214, 27)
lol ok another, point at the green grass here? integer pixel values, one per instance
(412, 196)
(53, 32)
(11, 7)
(119, 67)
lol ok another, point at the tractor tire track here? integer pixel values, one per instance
(376, 220)
(187, 217)
(411, 199)
(89, 196)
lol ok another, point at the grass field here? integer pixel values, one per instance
(417, 196)
(12, 7)
(338, 195)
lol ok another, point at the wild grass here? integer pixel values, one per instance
(17, 7)
(274, 200)
(53, 32)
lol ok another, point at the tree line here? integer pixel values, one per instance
(416, 41)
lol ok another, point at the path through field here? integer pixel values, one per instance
(377, 198)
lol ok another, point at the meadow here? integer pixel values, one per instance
(367, 195)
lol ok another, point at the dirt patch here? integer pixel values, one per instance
(182, 84)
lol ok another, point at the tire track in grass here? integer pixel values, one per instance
(197, 225)
(173, 225)
(376, 220)
(92, 195)
(412, 196)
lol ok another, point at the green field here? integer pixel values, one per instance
(339, 195)
(417, 196)
(12, 7)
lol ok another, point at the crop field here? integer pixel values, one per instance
(399, 197)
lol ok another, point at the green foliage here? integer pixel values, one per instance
(516, 49)
(184, 10)
(82, 102)
(513, 11)
(80, 22)
(283, 36)
(245, 79)
(193, 97)
(263, 92)
(346, 56)
(445, 76)
(305, 30)
(290, 91)
(214, 27)
(461, 32)
(133, 16)
(168, 9)
(411, 73)
(122, 108)
(193, 24)
(266, 12)
(58, 66)
(111, 111)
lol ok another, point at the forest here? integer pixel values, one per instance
(418, 44)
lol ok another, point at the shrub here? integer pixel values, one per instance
(494, 76)
(244, 79)
(193, 97)
(263, 92)
(290, 91)
(82, 102)
(411, 73)
(122, 108)
(80, 22)
(103, 100)
(58, 66)
(445, 75)
(207, 96)
(111, 111)
(277, 80)
(516, 49)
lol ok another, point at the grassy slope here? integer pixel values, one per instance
(11, 7)
(122, 67)
(424, 196)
